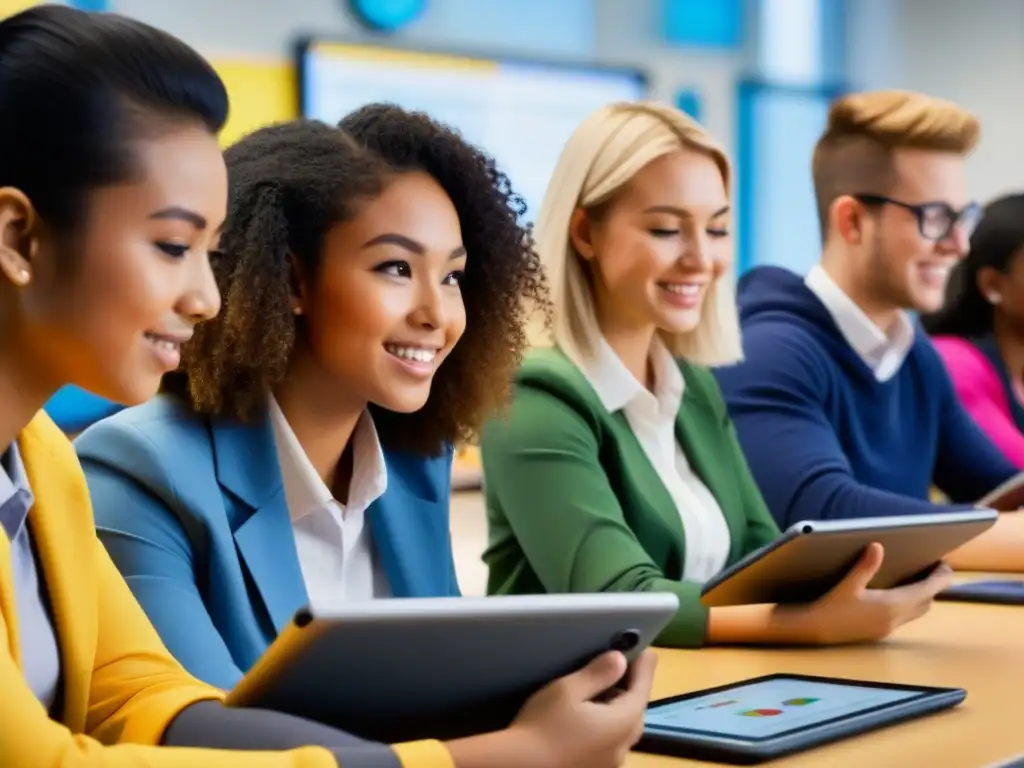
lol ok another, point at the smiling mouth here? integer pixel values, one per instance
(417, 355)
(687, 290)
(165, 343)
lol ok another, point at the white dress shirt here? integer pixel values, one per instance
(336, 553)
(652, 417)
(882, 352)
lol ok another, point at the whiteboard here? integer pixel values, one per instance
(519, 112)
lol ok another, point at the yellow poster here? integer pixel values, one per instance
(261, 92)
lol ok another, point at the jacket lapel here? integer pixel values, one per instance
(408, 530)
(247, 466)
(654, 493)
(66, 543)
(701, 437)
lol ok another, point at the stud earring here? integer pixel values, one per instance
(994, 298)
(296, 310)
(21, 277)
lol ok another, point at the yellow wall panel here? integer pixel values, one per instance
(261, 92)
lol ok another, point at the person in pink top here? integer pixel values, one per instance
(980, 330)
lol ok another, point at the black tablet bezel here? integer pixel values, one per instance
(692, 735)
(975, 592)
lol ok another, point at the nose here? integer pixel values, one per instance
(696, 252)
(958, 241)
(428, 311)
(201, 299)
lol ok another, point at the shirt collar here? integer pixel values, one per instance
(619, 389)
(882, 352)
(305, 491)
(15, 495)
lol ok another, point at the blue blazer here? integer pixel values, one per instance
(193, 512)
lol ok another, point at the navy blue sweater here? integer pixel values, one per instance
(824, 437)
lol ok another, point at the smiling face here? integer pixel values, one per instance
(905, 268)
(385, 309)
(656, 249)
(106, 307)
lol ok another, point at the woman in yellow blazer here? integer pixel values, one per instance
(112, 189)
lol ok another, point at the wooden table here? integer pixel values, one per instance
(973, 646)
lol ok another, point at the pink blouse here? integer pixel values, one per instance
(980, 389)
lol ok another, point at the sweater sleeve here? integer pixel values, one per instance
(543, 474)
(776, 398)
(981, 393)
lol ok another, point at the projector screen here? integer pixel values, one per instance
(519, 112)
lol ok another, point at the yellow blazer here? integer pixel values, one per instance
(120, 685)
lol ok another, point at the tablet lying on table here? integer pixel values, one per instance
(411, 668)
(811, 557)
(1007, 592)
(767, 717)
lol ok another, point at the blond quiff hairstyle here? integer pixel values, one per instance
(854, 155)
(603, 154)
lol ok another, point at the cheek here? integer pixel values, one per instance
(114, 295)
(455, 318)
(349, 317)
(630, 263)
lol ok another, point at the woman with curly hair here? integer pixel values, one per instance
(376, 285)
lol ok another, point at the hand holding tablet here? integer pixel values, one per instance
(852, 612)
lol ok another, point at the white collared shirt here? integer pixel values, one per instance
(652, 417)
(882, 352)
(336, 553)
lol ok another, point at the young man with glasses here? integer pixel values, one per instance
(843, 407)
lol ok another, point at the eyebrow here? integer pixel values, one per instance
(392, 238)
(681, 212)
(181, 214)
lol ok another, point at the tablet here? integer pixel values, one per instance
(767, 717)
(1007, 497)
(1007, 592)
(811, 557)
(405, 669)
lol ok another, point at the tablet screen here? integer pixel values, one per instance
(769, 708)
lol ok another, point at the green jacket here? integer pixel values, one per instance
(573, 504)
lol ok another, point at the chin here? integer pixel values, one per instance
(402, 402)
(927, 302)
(680, 322)
(127, 390)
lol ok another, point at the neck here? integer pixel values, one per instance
(1010, 341)
(323, 421)
(22, 393)
(838, 266)
(633, 346)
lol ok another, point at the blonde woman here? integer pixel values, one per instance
(617, 467)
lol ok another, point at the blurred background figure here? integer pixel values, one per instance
(980, 330)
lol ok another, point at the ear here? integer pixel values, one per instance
(300, 285)
(19, 237)
(846, 219)
(580, 234)
(990, 285)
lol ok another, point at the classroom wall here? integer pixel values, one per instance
(601, 31)
(970, 52)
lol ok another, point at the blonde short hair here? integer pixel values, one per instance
(603, 154)
(854, 155)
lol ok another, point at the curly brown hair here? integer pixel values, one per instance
(289, 184)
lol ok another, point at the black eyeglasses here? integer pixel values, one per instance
(935, 221)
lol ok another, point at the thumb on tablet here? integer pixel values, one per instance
(598, 676)
(865, 569)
